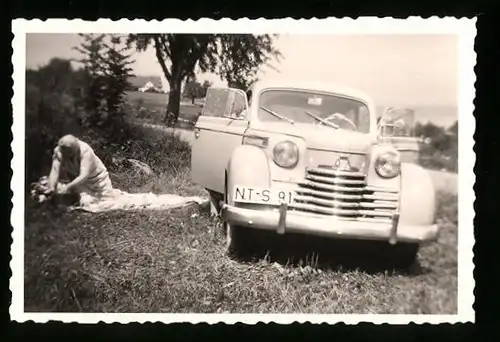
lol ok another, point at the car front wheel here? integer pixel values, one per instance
(240, 241)
(403, 255)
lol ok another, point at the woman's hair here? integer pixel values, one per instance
(69, 142)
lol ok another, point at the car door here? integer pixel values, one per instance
(396, 127)
(397, 122)
(218, 131)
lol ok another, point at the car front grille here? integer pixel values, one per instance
(344, 194)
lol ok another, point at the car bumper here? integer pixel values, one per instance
(284, 221)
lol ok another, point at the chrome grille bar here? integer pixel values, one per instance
(335, 181)
(344, 204)
(380, 189)
(378, 205)
(329, 195)
(327, 203)
(338, 211)
(334, 173)
(328, 187)
(381, 197)
(344, 194)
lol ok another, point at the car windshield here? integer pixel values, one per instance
(308, 107)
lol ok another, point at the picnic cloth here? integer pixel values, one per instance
(116, 199)
(121, 200)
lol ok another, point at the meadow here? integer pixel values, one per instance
(150, 108)
(175, 261)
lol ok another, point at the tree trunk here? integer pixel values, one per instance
(174, 99)
(192, 100)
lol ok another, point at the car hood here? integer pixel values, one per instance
(322, 137)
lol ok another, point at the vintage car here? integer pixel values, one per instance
(308, 158)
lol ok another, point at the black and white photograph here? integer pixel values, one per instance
(315, 172)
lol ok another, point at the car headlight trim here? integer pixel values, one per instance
(286, 154)
(388, 164)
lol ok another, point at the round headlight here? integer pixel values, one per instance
(286, 154)
(388, 164)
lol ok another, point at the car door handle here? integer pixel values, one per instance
(196, 133)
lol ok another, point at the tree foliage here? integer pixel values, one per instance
(206, 84)
(441, 149)
(55, 105)
(107, 62)
(236, 58)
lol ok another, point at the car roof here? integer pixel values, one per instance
(329, 87)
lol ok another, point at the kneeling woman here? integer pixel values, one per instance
(74, 161)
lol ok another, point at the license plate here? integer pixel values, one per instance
(245, 194)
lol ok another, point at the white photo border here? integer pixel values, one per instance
(464, 28)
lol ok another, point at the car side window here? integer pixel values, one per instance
(224, 102)
(238, 104)
(239, 107)
(215, 102)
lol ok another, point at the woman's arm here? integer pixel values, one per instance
(86, 164)
(55, 170)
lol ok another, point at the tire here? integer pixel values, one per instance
(215, 198)
(382, 254)
(239, 240)
(403, 255)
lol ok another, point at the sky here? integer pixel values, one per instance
(396, 70)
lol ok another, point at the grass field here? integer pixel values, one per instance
(174, 261)
(151, 108)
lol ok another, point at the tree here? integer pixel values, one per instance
(54, 106)
(192, 90)
(119, 73)
(206, 84)
(235, 58)
(428, 130)
(453, 129)
(107, 63)
(442, 150)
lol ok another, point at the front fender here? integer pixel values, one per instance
(418, 196)
(248, 165)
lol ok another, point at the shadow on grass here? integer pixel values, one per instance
(344, 255)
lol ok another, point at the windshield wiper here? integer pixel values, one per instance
(277, 115)
(322, 120)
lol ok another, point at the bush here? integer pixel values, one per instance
(163, 152)
(437, 161)
(447, 206)
(441, 152)
(52, 110)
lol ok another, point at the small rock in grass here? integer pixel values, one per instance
(279, 267)
(306, 270)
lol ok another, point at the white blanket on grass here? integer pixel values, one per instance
(120, 200)
(115, 199)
